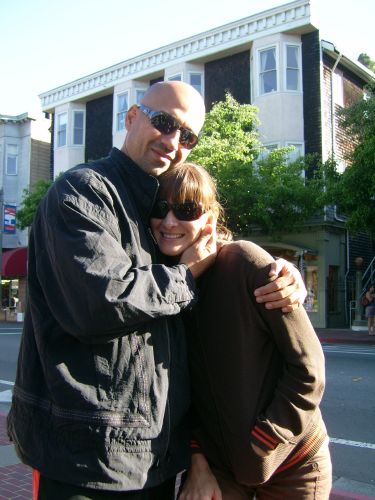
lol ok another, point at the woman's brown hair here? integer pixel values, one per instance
(191, 182)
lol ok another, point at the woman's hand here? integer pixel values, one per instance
(201, 484)
(286, 292)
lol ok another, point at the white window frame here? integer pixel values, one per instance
(274, 47)
(201, 74)
(299, 67)
(177, 77)
(13, 155)
(267, 148)
(121, 114)
(59, 131)
(74, 128)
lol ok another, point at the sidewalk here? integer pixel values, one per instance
(15, 478)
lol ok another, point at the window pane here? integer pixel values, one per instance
(122, 108)
(292, 67)
(78, 128)
(292, 57)
(268, 73)
(268, 82)
(61, 129)
(140, 94)
(292, 79)
(176, 78)
(196, 81)
(12, 154)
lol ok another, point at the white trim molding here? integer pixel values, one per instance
(238, 33)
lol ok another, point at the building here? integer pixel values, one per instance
(24, 159)
(275, 60)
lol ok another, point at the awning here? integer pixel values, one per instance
(14, 263)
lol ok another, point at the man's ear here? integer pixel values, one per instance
(130, 115)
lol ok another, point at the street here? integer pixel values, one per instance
(348, 405)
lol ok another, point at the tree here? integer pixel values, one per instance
(367, 61)
(30, 202)
(354, 191)
(270, 193)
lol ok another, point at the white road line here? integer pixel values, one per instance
(15, 332)
(6, 382)
(347, 442)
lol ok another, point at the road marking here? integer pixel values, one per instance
(347, 442)
(6, 382)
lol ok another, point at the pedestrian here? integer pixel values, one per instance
(257, 375)
(370, 309)
(101, 397)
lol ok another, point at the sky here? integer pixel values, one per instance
(47, 43)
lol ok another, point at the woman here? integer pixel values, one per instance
(258, 375)
(370, 310)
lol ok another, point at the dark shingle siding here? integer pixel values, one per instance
(99, 127)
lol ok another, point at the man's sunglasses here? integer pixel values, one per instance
(188, 211)
(167, 124)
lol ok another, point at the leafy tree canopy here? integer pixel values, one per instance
(367, 61)
(355, 190)
(270, 193)
(30, 202)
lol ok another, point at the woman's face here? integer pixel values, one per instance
(174, 236)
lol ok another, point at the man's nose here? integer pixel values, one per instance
(172, 140)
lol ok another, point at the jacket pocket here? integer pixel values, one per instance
(250, 469)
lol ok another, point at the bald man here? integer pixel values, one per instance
(101, 397)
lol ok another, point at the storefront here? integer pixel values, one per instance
(13, 282)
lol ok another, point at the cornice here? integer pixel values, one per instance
(237, 33)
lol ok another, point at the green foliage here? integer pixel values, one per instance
(30, 202)
(269, 193)
(355, 191)
(367, 61)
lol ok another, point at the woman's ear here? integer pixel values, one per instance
(130, 115)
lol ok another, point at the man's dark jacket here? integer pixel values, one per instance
(102, 393)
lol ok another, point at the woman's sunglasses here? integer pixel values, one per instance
(167, 124)
(188, 211)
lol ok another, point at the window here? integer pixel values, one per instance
(122, 109)
(338, 87)
(296, 152)
(139, 96)
(268, 72)
(292, 67)
(78, 124)
(62, 121)
(176, 78)
(311, 279)
(196, 82)
(12, 159)
(266, 150)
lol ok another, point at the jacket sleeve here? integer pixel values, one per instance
(299, 391)
(86, 266)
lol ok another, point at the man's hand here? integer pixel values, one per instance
(286, 292)
(201, 254)
(201, 484)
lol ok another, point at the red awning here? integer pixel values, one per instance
(14, 263)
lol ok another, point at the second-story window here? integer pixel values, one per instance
(122, 109)
(176, 78)
(12, 159)
(139, 96)
(268, 71)
(292, 67)
(196, 81)
(78, 127)
(62, 122)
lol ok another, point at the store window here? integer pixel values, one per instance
(311, 303)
